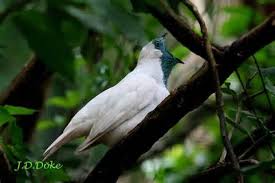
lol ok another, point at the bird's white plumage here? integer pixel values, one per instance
(116, 111)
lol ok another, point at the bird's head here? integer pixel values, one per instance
(156, 50)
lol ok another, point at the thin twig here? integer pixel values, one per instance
(253, 111)
(248, 102)
(219, 97)
(256, 94)
(258, 133)
(253, 146)
(14, 7)
(237, 121)
(218, 171)
(250, 78)
(263, 83)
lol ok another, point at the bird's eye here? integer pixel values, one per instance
(157, 44)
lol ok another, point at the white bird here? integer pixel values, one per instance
(113, 113)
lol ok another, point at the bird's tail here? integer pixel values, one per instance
(88, 143)
(65, 137)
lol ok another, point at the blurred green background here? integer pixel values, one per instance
(85, 47)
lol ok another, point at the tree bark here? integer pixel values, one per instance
(28, 89)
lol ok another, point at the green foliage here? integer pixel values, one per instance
(70, 100)
(47, 41)
(56, 175)
(240, 18)
(90, 21)
(180, 52)
(8, 111)
(95, 18)
(11, 40)
(238, 126)
(140, 6)
(17, 110)
(55, 31)
(259, 167)
(270, 86)
(15, 150)
(5, 116)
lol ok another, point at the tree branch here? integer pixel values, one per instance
(246, 147)
(193, 121)
(219, 96)
(28, 89)
(179, 28)
(250, 42)
(179, 102)
(217, 172)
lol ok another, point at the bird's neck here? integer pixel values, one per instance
(153, 68)
(167, 65)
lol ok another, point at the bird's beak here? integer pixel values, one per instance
(179, 61)
(164, 35)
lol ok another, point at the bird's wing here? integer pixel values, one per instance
(127, 99)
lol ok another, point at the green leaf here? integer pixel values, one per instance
(46, 41)
(90, 21)
(16, 134)
(5, 116)
(70, 100)
(7, 149)
(16, 150)
(125, 22)
(270, 86)
(74, 32)
(17, 110)
(46, 124)
(180, 52)
(56, 175)
(238, 22)
(109, 18)
(14, 53)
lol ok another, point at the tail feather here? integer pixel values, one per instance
(88, 143)
(65, 137)
(85, 145)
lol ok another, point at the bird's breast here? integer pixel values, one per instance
(114, 136)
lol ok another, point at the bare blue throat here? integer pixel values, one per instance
(167, 60)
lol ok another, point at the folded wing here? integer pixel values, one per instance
(140, 93)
